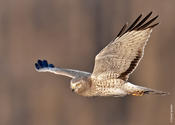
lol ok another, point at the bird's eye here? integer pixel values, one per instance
(78, 85)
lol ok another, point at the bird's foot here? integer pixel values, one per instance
(138, 93)
(43, 64)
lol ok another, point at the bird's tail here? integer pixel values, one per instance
(136, 90)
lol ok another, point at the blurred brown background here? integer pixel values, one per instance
(69, 33)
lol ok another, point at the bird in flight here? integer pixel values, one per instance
(113, 64)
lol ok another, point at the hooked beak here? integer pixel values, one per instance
(73, 90)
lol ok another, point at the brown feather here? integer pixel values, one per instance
(121, 56)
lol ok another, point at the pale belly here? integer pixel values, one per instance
(110, 92)
(106, 88)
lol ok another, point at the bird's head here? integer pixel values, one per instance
(80, 84)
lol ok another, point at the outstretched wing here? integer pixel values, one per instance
(121, 56)
(43, 66)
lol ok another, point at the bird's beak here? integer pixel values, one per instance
(73, 90)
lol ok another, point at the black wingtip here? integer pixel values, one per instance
(153, 25)
(40, 63)
(37, 66)
(150, 13)
(146, 25)
(51, 66)
(43, 64)
(139, 25)
(134, 23)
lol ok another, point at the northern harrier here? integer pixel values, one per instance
(113, 64)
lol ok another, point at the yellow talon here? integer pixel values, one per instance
(138, 93)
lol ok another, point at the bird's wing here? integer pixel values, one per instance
(121, 56)
(43, 66)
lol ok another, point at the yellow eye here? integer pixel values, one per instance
(78, 85)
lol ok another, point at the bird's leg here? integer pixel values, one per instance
(138, 93)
